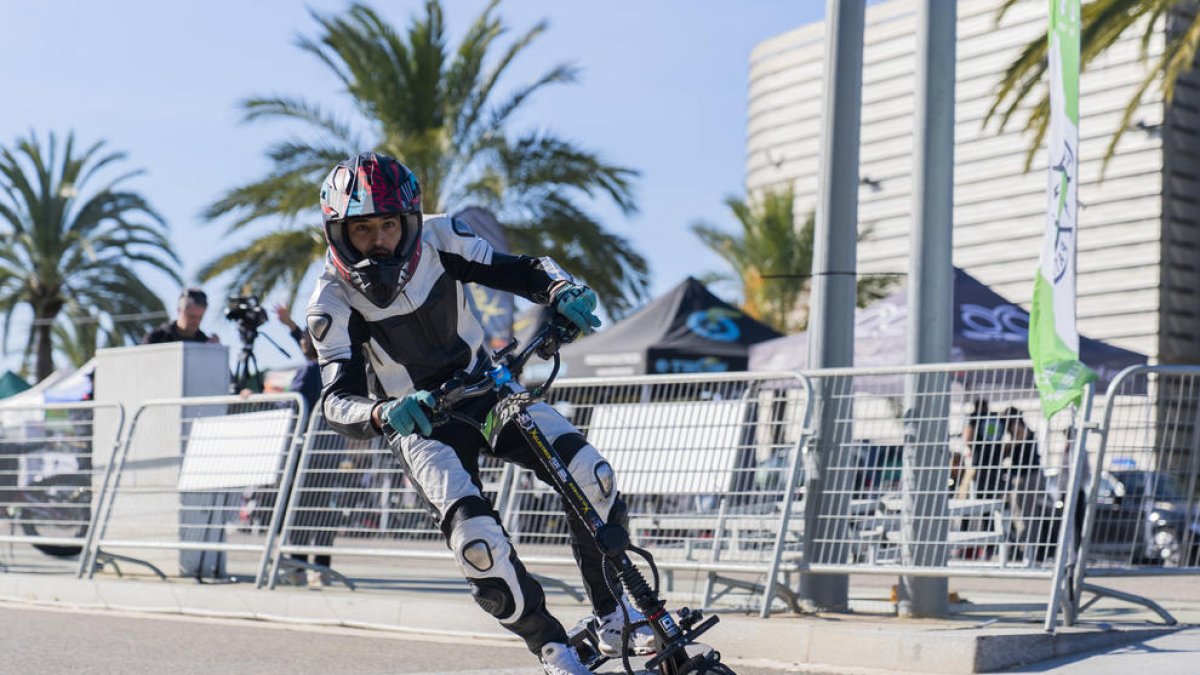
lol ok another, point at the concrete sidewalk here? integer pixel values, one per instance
(996, 626)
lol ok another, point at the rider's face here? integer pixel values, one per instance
(375, 236)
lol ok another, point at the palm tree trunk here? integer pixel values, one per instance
(26, 355)
(45, 344)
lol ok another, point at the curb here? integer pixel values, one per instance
(827, 643)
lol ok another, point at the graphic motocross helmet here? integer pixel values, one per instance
(372, 184)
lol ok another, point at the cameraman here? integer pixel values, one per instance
(186, 328)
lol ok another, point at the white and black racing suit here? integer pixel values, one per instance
(427, 335)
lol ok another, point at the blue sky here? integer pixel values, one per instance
(663, 90)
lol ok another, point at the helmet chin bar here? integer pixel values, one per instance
(380, 281)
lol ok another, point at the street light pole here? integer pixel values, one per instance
(925, 520)
(831, 334)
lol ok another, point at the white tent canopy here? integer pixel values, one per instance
(65, 385)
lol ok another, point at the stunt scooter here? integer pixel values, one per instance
(677, 652)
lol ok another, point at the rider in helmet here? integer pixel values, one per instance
(389, 320)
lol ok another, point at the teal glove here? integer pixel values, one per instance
(408, 413)
(578, 304)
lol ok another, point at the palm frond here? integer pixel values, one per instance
(1105, 22)
(537, 162)
(1178, 57)
(464, 72)
(276, 107)
(287, 192)
(576, 240)
(274, 260)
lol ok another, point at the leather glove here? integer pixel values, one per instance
(578, 304)
(408, 413)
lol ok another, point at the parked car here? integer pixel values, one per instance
(1142, 516)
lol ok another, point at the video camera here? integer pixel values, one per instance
(247, 313)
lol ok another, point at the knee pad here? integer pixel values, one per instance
(486, 559)
(596, 477)
(494, 596)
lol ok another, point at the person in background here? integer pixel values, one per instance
(1029, 504)
(984, 438)
(186, 327)
(307, 381)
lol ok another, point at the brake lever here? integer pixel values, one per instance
(505, 350)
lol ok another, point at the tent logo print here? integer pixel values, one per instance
(714, 324)
(1003, 323)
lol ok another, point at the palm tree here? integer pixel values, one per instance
(772, 259)
(1104, 23)
(67, 248)
(434, 108)
(79, 337)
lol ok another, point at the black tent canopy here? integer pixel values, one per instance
(686, 330)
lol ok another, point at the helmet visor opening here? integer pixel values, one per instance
(381, 237)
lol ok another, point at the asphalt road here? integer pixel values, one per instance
(38, 640)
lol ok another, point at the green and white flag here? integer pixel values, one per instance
(1053, 340)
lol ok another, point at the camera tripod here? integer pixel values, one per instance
(246, 374)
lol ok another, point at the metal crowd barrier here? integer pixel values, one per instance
(352, 498)
(904, 473)
(197, 485)
(703, 462)
(939, 470)
(55, 460)
(1142, 516)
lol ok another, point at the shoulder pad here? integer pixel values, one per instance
(453, 235)
(318, 325)
(461, 228)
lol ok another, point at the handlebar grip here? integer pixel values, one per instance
(438, 407)
(453, 392)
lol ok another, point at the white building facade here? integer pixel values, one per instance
(1139, 237)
